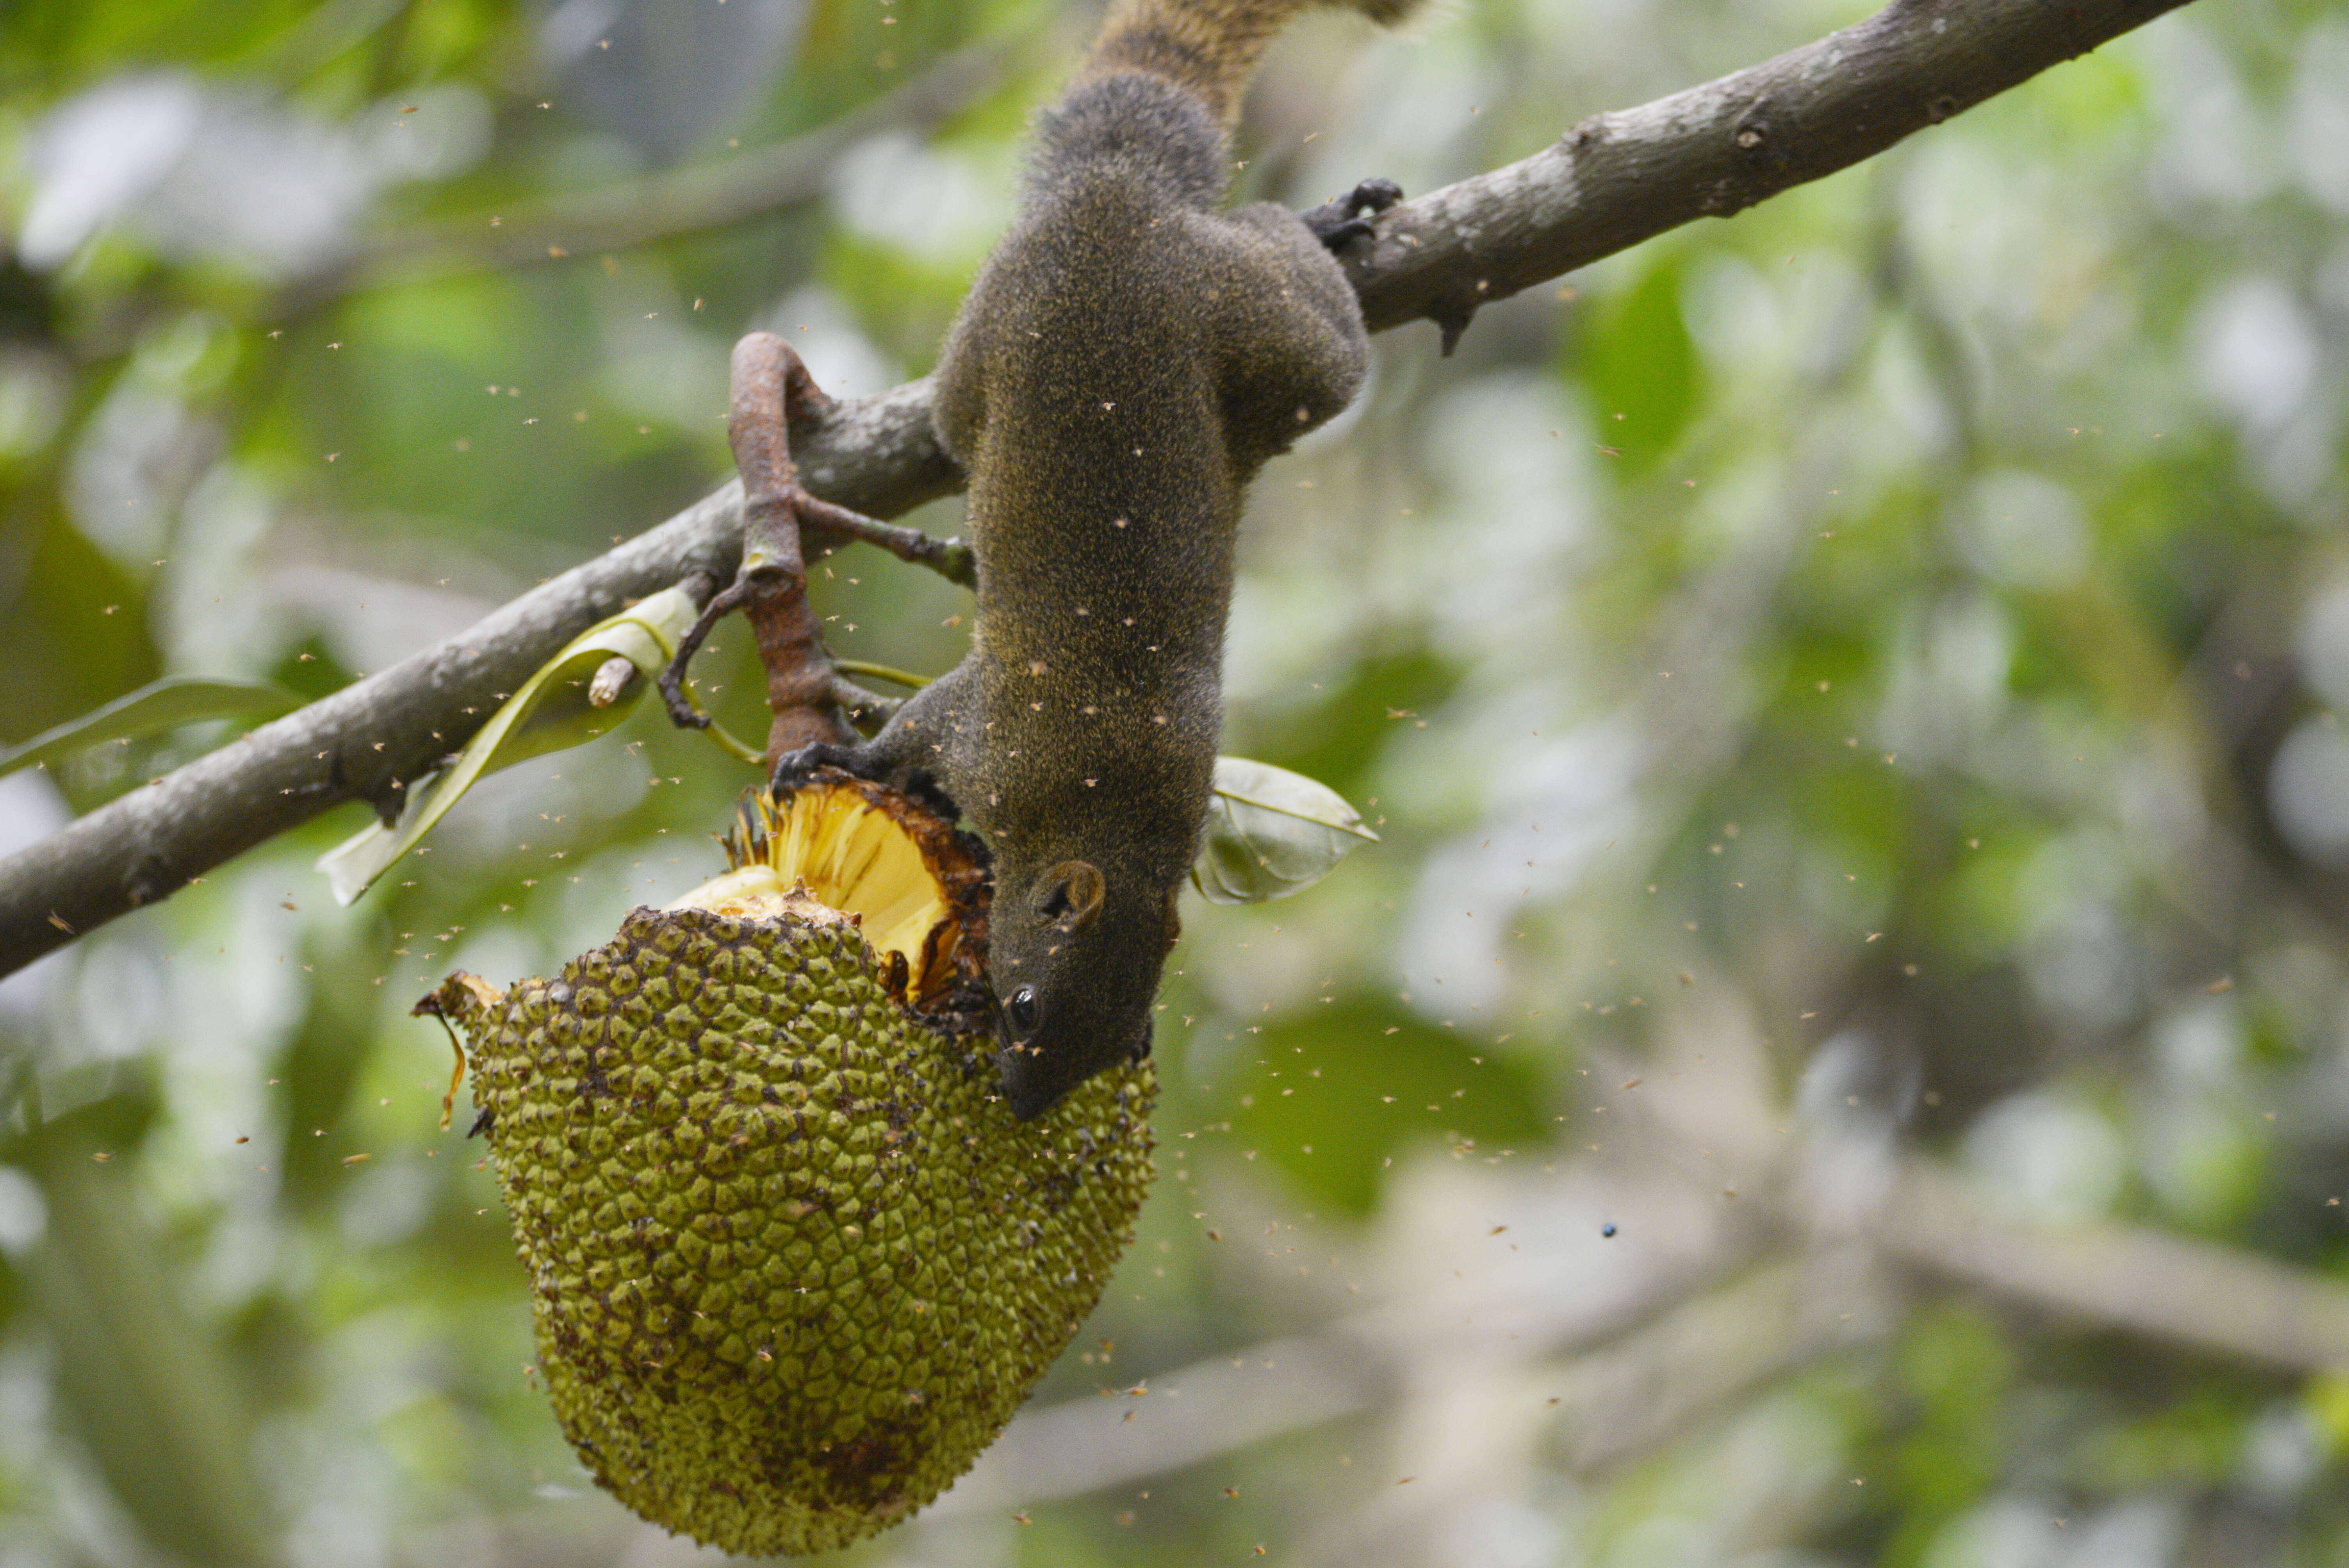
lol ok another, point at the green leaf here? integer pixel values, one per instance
(1271, 832)
(1373, 1081)
(1640, 370)
(551, 711)
(151, 709)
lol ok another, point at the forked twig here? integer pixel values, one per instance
(810, 699)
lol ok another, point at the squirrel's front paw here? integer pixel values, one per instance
(795, 767)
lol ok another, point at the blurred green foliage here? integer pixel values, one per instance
(1844, 691)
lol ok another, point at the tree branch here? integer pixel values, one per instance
(369, 740)
(1613, 180)
(1711, 151)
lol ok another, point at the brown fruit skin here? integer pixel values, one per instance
(792, 1261)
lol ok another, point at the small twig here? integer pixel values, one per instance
(949, 558)
(614, 676)
(881, 673)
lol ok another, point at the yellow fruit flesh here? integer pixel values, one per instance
(828, 843)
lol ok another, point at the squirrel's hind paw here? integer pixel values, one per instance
(1339, 223)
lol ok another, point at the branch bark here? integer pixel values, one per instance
(1711, 151)
(1611, 182)
(369, 740)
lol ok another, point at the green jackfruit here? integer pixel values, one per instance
(792, 1263)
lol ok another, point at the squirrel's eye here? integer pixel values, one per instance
(1022, 1008)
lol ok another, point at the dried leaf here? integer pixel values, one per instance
(551, 711)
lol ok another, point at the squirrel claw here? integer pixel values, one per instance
(1339, 223)
(794, 768)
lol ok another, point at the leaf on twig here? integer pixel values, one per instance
(158, 706)
(551, 711)
(1271, 832)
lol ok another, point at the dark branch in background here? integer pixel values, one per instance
(1613, 180)
(702, 198)
(681, 201)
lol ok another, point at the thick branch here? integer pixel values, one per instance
(1713, 150)
(1615, 180)
(366, 741)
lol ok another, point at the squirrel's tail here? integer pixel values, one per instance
(1209, 48)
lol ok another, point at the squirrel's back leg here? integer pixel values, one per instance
(1291, 347)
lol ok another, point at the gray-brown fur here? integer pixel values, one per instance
(1127, 360)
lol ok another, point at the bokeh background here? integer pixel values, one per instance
(1839, 1057)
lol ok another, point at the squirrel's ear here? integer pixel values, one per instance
(1073, 890)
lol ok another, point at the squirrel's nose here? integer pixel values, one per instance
(1025, 1086)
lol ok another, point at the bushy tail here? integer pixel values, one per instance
(1207, 48)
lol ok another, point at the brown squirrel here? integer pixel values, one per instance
(1127, 360)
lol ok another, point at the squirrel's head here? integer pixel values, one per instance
(1074, 959)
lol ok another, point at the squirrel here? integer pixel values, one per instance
(1125, 362)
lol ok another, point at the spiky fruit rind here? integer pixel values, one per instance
(792, 1263)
